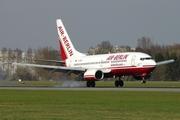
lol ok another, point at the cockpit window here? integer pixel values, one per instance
(148, 58)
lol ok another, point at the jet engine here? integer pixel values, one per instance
(93, 74)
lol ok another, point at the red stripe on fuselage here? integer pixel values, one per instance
(131, 70)
(123, 71)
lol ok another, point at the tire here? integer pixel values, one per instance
(88, 83)
(121, 83)
(143, 81)
(116, 83)
(93, 84)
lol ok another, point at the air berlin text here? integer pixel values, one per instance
(65, 41)
(117, 57)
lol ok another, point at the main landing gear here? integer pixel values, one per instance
(90, 84)
(119, 82)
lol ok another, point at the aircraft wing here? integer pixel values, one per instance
(164, 62)
(44, 60)
(61, 68)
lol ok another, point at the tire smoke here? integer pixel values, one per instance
(71, 83)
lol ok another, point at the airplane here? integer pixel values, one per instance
(97, 67)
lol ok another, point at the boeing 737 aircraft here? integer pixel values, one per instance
(96, 67)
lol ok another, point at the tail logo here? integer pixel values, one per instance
(65, 41)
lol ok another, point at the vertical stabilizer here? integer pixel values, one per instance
(66, 47)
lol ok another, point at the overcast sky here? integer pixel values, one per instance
(32, 23)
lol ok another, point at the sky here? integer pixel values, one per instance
(32, 23)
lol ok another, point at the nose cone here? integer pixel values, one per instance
(151, 63)
(154, 63)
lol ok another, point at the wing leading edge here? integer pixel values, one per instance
(44, 60)
(50, 67)
(60, 68)
(164, 62)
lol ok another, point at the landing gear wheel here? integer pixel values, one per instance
(90, 84)
(93, 83)
(121, 83)
(143, 81)
(116, 83)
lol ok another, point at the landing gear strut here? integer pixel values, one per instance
(143, 81)
(90, 84)
(119, 82)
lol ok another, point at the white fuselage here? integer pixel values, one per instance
(119, 63)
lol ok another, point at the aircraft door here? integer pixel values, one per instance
(133, 60)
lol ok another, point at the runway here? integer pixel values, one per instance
(92, 89)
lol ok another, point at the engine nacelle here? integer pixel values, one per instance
(93, 74)
(140, 77)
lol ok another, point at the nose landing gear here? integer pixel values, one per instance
(143, 81)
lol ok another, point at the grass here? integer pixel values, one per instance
(89, 105)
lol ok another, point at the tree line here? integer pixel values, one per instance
(9, 72)
(170, 72)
